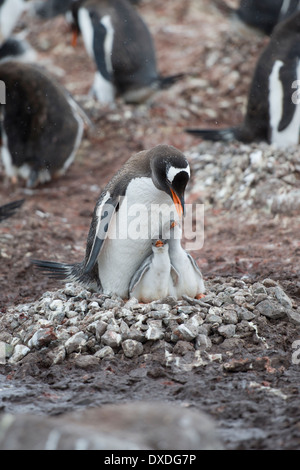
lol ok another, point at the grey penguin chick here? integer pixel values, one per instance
(152, 280)
(190, 280)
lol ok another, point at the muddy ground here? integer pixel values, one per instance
(255, 407)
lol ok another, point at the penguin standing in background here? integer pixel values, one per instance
(260, 16)
(264, 15)
(117, 39)
(8, 210)
(273, 112)
(145, 194)
(40, 124)
(152, 280)
(10, 12)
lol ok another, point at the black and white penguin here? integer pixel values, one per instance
(118, 40)
(17, 48)
(41, 127)
(145, 194)
(10, 12)
(153, 279)
(260, 16)
(273, 112)
(8, 210)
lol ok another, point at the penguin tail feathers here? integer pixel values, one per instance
(55, 270)
(9, 209)
(169, 80)
(215, 135)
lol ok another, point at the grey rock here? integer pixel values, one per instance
(76, 343)
(271, 309)
(111, 338)
(227, 330)
(132, 348)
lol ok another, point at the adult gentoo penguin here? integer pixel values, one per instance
(118, 40)
(7, 210)
(265, 15)
(272, 114)
(145, 194)
(152, 280)
(40, 125)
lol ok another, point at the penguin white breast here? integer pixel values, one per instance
(10, 12)
(139, 219)
(277, 89)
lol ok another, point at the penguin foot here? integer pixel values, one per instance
(199, 296)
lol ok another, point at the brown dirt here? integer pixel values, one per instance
(54, 221)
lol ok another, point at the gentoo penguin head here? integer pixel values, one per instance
(170, 172)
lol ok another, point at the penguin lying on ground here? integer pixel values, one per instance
(273, 112)
(145, 194)
(117, 39)
(40, 125)
(9, 209)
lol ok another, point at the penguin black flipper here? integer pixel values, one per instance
(215, 135)
(169, 80)
(103, 214)
(9, 209)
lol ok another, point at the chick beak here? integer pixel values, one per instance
(179, 204)
(159, 243)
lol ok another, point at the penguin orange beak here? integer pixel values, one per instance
(74, 37)
(178, 203)
(159, 243)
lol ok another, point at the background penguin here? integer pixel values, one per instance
(40, 125)
(7, 210)
(261, 15)
(153, 183)
(10, 12)
(117, 39)
(273, 114)
(190, 281)
(153, 278)
(17, 48)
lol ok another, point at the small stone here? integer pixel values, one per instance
(244, 314)
(154, 331)
(84, 362)
(42, 337)
(269, 282)
(111, 338)
(20, 351)
(132, 348)
(294, 317)
(106, 351)
(230, 317)
(227, 330)
(76, 343)
(182, 347)
(282, 297)
(182, 332)
(212, 318)
(271, 309)
(203, 342)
